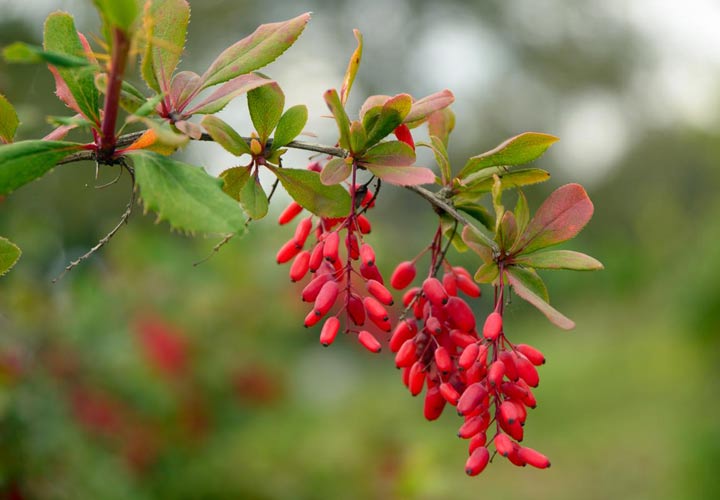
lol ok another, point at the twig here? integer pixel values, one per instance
(216, 249)
(123, 220)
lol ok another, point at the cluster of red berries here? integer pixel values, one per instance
(346, 277)
(486, 377)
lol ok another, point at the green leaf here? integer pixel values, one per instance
(497, 201)
(479, 243)
(149, 105)
(523, 148)
(225, 135)
(531, 280)
(266, 106)
(402, 176)
(559, 218)
(390, 116)
(185, 195)
(254, 200)
(523, 285)
(389, 153)
(358, 137)
(255, 51)
(120, 13)
(522, 212)
(290, 125)
(9, 255)
(487, 273)
(441, 123)
(423, 108)
(482, 182)
(352, 68)
(478, 212)
(61, 36)
(225, 93)
(8, 120)
(165, 23)
(20, 52)
(24, 161)
(437, 146)
(234, 180)
(341, 118)
(560, 259)
(305, 187)
(335, 171)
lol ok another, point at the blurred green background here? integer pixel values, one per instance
(140, 376)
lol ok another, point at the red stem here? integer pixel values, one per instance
(119, 56)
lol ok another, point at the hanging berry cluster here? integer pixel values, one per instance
(345, 276)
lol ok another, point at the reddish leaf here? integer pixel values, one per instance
(390, 153)
(523, 290)
(185, 85)
(423, 108)
(227, 92)
(403, 176)
(335, 171)
(560, 259)
(559, 218)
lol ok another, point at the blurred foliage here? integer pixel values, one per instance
(141, 376)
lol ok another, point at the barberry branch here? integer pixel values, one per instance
(435, 199)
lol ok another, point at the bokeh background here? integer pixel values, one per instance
(140, 376)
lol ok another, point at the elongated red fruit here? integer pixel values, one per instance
(406, 355)
(292, 211)
(326, 298)
(449, 283)
(329, 331)
(509, 361)
(433, 325)
(532, 354)
(467, 286)
(508, 412)
(364, 224)
(288, 251)
(477, 462)
(316, 256)
(300, 266)
(312, 319)
(312, 289)
(533, 457)
(460, 314)
(417, 378)
(527, 371)
(404, 330)
(330, 249)
(371, 273)
(462, 339)
(356, 310)
(379, 291)
(503, 444)
(435, 292)
(471, 398)
(471, 427)
(478, 440)
(403, 275)
(449, 393)
(468, 356)
(375, 309)
(496, 372)
(442, 360)
(367, 254)
(351, 242)
(369, 341)
(303, 230)
(493, 326)
(434, 404)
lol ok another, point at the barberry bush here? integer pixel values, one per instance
(424, 311)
